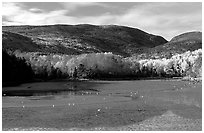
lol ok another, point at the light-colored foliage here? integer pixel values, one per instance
(188, 63)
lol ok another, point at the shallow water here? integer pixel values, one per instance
(65, 105)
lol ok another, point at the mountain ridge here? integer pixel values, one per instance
(179, 44)
(85, 38)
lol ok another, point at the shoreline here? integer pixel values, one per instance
(16, 84)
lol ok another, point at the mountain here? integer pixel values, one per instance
(13, 41)
(188, 36)
(65, 40)
(78, 39)
(189, 41)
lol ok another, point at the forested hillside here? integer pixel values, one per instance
(189, 41)
(79, 39)
(96, 52)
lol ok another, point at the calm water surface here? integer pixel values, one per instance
(65, 105)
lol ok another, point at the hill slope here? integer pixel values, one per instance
(13, 41)
(189, 41)
(78, 39)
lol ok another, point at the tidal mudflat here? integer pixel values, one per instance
(103, 105)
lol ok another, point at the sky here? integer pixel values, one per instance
(167, 19)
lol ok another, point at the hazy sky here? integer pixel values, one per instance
(165, 19)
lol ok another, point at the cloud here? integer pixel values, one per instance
(18, 16)
(34, 16)
(10, 9)
(166, 19)
(75, 5)
(35, 10)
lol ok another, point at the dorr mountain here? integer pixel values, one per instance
(78, 39)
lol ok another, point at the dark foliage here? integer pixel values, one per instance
(49, 73)
(15, 70)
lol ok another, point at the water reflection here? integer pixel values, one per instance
(82, 105)
(68, 90)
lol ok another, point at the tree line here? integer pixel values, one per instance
(36, 65)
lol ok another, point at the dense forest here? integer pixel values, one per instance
(15, 70)
(24, 66)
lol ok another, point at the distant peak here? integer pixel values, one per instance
(188, 35)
